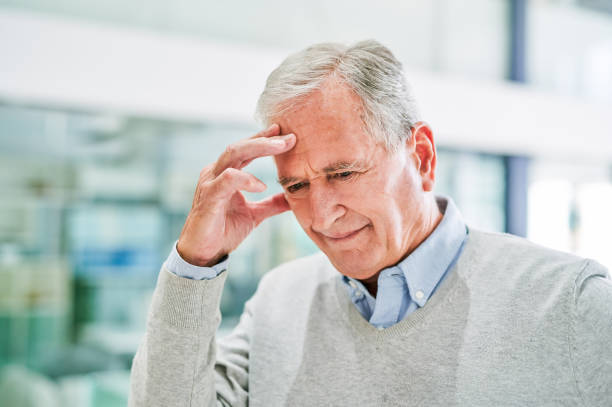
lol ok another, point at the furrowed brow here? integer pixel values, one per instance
(335, 167)
(287, 180)
(342, 165)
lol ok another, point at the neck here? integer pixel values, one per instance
(430, 219)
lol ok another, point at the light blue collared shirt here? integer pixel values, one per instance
(401, 289)
(409, 284)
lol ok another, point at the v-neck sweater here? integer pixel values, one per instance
(512, 324)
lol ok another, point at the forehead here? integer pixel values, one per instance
(328, 126)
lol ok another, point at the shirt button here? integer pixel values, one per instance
(352, 284)
(419, 295)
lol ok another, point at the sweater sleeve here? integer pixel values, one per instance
(177, 265)
(179, 362)
(593, 332)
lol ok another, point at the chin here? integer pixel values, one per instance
(354, 266)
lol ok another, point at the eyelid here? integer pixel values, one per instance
(339, 174)
(336, 175)
(299, 185)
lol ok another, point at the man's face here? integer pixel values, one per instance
(360, 204)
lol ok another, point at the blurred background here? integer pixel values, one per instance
(109, 109)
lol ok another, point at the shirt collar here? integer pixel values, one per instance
(425, 267)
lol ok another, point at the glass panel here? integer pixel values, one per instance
(568, 208)
(569, 50)
(477, 184)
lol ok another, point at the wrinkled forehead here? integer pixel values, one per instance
(324, 146)
(328, 125)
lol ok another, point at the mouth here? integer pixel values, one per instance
(342, 237)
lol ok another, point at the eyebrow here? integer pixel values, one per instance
(331, 168)
(343, 165)
(287, 180)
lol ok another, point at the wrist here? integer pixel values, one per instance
(197, 260)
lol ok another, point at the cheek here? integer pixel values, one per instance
(388, 221)
(301, 211)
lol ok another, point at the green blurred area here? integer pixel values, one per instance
(91, 206)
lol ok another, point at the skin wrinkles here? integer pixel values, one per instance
(385, 205)
(337, 167)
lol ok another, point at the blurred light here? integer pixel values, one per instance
(594, 201)
(549, 205)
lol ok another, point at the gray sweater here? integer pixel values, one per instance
(513, 324)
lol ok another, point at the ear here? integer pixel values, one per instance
(423, 149)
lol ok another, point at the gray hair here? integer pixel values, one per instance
(368, 67)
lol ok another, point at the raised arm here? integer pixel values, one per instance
(179, 362)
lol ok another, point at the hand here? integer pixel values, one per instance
(220, 217)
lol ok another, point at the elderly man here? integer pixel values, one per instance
(404, 306)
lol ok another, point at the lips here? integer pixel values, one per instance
(345, 235)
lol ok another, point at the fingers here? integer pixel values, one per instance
(232, 180)
(268, 207)
(273, 130)
(238, 155)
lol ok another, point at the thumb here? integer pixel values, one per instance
(270, 206)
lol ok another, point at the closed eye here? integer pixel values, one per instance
(339, 176)
(292, 189)
(342, 175)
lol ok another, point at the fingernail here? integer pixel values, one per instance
(288, 136)
(270, 128)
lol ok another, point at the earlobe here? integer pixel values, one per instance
(428, 185)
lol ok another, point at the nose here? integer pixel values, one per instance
(325, 207)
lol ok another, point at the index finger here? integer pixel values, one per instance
(273, 130)
(238, 155)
